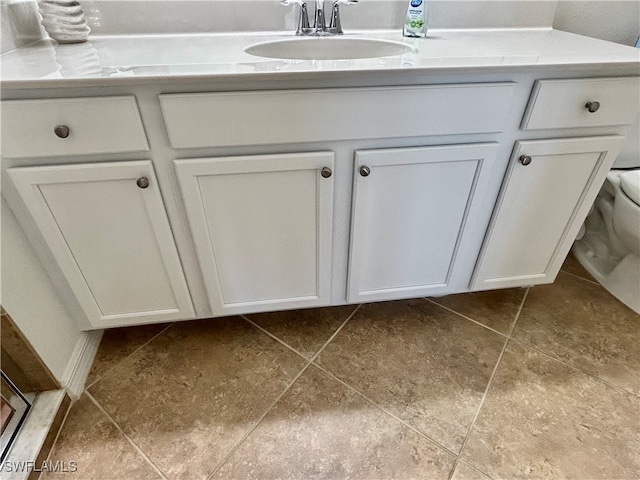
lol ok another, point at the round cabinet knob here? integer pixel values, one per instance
(326, 172)
(142, 182)
(61, 131)
(525, 160)
(365, 171)
(592, 106)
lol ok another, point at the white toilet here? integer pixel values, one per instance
(608, 245)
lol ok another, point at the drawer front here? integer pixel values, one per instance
(95, 125)
(564, 103)
(256, 118)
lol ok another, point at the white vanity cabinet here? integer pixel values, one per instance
(413, 211)
(548, 190)
(295, 198)
(106, 227)
(262, 227)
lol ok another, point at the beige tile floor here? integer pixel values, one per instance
(538, 383)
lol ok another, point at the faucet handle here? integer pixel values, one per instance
(303, 19)
(335, 24)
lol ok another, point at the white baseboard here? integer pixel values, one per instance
(75, 375)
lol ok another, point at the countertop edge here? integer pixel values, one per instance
(335, 78)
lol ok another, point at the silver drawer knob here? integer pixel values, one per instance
(326, 172)
(365, 171)
(525, 160)
(142, 182)
(61, 131)
(592, 106)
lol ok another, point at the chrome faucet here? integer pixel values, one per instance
(335, 24)
(303, 27)
(320, 27)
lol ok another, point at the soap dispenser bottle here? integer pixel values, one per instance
(415, 23)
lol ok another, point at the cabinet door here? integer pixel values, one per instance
(546, 195)
(413, 209)
(111, 239)
(262, 229)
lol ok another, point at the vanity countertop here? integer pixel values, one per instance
(133, 59)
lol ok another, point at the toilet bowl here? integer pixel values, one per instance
(609, 243)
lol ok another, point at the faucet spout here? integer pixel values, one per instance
(320, 23)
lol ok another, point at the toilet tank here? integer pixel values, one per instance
(629, 156)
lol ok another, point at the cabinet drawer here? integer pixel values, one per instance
(272, 117)
(563, 103)
(95, 125)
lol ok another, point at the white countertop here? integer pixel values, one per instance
(125, 59)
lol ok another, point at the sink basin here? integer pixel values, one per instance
(327, 48)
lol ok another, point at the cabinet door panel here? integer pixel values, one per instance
(541, 208)
(111, 239)
(262, 229)
(409, 217)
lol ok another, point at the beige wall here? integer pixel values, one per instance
(19, 23)
(612, 20)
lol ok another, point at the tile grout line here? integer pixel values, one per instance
(123, 359)
(477, 414)
(466, 317)
(487, 388)
(55, 440)
(557, 359)
(382, 409)
(255, 425)
(293, 349)
(129, 439)
(274, 337)
(581, 278)
(338, 330)
(520, 308)
(284, 392)
(313, 362)
(474, 468)
(573, 367)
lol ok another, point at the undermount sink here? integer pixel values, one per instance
(327, 48)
